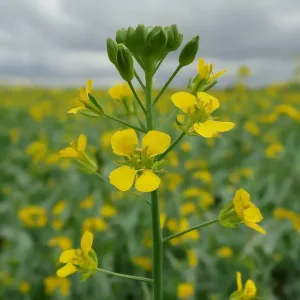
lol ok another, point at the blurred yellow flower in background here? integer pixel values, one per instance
(33, 216)
(185, 290)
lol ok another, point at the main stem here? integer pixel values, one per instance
(157, 242)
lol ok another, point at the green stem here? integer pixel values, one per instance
(166, 84)
(149, 105)
(126, 276)
(136, 96)
(157, 248)
(160, 62)
(210, 86)
(175, 235)
(172, 146)
(139, 80)
(125, 123)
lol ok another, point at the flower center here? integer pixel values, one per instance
(140, 159)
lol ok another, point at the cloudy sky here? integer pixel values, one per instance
(62, 42)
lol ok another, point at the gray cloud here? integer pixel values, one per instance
(62, 42)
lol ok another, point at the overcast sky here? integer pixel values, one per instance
(62, 42)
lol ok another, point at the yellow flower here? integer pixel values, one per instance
(62, 242)
(224, 252)
(58, 208)
(79, 260)
(199, 110)
(186, 146)
(14, 134)
(87, 202)
(246, 293)
(192, 258)
(247, 211)
(185, 290)
(52, 283)
(108, 211)
(205, 71)
(203, 175)
(144, 262)
(120, 91)
(273, 150)
(33, 216)
(187, 208)
(282, 213)
(139, 162)
(24, 287)
(83, 98)
(251, 127)
(75, 151)
(57, 224)
(94, 224)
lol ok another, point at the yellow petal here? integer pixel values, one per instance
(239, 281)
(122, 178)
(81, 143)
(75, 110)
(210, 102)
(201, 67)
(241, 201)
(83, 96)
(204, 130)
(184, 101)
(217, 75)
(67, 255)
(124, 142)
(67, 270)
(250, 288)
(147, 182)
(157, 142)
(68, 152)
(252, 214)
(256, 227)
(89, 86)
(219, 126)
(86, 242)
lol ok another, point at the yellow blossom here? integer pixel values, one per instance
(108, 211)
(187, 208)
(205, 71)
(94, 224)
(62, 242)
(75, 151)
(143, 261)
(84, 259)
(192, 258)
(24, 287)
(224, 252)
(185, 290)
(139, 163)
(120, 92)
(186, 146)
(282, 213)
(203, 175)
(87, 202)
(247, 211)
(199, 110)
(244, 293)
(57, 224)
(33, 216)
(53, 283)
(273, 150)
(58, 208)
(83, 98)
(252, 127)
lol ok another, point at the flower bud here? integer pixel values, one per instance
(121, 36)
(111, 47)
(228, 216)
(125, 63)
(174, 38)
(156, 40)
(189, 51)
(138, 38)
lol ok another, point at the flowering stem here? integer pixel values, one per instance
(136, 96)
(210, 86)
(166, 84)
(126, 276)
(139, 80)
(175, 235)
(157, 248)
(149, 105)
(172, 146)
(125, 123)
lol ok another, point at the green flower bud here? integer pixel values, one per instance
(156, 40)
(228, 216)
(128, 41)
(138, 38)
(111, 47)
(174, 38)
(121, 36)
(189, 51)
(125, 63)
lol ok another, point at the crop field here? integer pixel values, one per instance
(47, 203)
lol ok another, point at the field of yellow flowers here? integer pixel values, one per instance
(46, 204)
